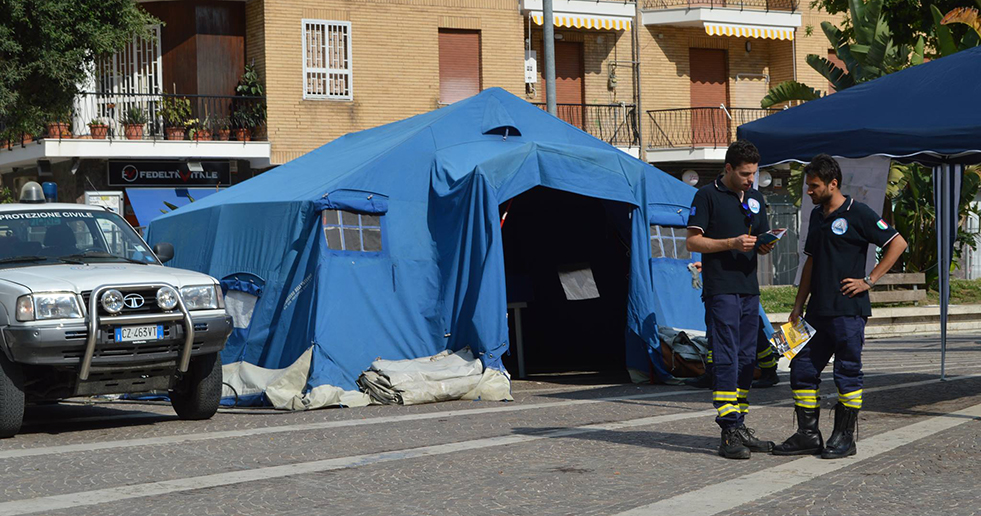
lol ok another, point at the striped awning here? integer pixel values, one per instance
(749, 31)
(585, 22)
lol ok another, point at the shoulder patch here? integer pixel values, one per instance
(882, 224)
(692, 212)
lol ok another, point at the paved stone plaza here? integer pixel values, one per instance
(558, 449)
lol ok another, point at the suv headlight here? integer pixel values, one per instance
(48, 305)
(199, 297)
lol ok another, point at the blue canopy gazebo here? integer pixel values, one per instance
(926, 114)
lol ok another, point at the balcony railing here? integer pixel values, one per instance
(211, 117)
(751, 5)
(699, 126)
(615, 124)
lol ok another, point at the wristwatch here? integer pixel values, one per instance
(868, 281)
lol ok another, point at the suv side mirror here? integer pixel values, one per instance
(164, 252)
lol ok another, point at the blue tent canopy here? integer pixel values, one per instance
(431, 185)
(927, 113)
(149, 203)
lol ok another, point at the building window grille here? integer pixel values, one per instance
(327, 60)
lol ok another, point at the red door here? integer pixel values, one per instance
(569, 82)
(709, 90)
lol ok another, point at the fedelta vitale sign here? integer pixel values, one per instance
(168, 173)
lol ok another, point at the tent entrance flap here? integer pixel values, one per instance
(567, 263)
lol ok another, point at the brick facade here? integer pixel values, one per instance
(395, 64)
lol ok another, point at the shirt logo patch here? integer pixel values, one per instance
(882, 224)
(839, 226)
(692, 214)
(754, 206)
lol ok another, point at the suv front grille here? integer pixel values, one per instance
(149, 302)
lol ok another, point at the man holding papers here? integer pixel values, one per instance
(726, 216)
(834, 276)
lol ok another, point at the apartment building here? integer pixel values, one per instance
(665, 80)
(154, 125)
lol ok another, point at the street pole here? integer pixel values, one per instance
(549, 37)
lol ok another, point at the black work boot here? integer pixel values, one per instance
(842, 440)
(703, 381)
(807, 440)
(748, 435)
(732, 446)
(768, 378)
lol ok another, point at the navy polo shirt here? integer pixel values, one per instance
(838, 245)
(716, 211)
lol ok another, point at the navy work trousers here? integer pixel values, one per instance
(843, 337)
(732, 322)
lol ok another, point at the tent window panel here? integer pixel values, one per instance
(667, 242)
(372, 240)
(352, 239)
(334, 238)
(350, 231)
(349, 219)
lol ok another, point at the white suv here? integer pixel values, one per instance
(86, 308)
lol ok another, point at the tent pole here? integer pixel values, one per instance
(943, 262)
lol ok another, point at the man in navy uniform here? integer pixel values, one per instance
(725, 218)
(838, 239)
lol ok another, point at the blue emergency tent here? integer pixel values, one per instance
(414, 265)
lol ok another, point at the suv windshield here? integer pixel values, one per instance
(33, 237)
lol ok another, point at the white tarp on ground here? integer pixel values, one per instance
(441, 377)
(284, 387)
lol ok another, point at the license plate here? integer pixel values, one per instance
(135, 333)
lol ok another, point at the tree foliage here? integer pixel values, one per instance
(911, 189)
(868, 51)
(48, 48)
(907, 19)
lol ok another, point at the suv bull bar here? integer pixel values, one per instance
(95, 321)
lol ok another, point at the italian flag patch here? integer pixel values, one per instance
(881, 224)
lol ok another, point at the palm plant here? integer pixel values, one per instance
(867, 50)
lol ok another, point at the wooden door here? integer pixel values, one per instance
(459, 64)
(709, 90)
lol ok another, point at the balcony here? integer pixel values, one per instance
(766, 19)
(99, 130)
(585, 14)
(696, 134)
(615, 124)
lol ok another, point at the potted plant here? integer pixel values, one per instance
(201, 129)
(98, 129)
(248, 108)
(242, 121)
(222, 127)
(60, 126)
(176, 112)
(133, 121)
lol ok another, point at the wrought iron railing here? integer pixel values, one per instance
(749, 5)
(699, 126)
(203, 117)
(615, 124)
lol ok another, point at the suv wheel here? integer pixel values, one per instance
(198, 392)
(11, 397)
